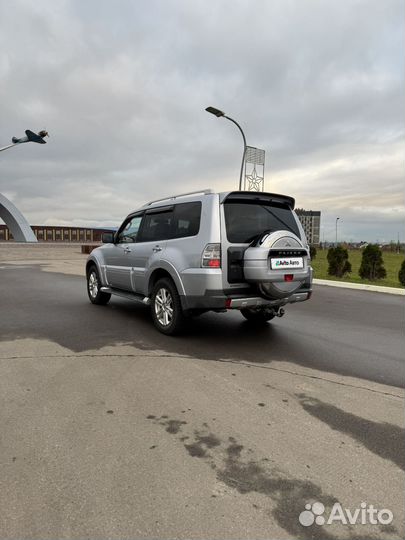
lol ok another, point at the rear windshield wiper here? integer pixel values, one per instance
(279, 219)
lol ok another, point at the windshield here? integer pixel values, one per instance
(246, 221)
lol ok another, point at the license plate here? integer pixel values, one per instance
(287, 263)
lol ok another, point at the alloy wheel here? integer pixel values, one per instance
(93, 284)
(164, 307)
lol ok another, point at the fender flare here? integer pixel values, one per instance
(92, 259)
(163, 264)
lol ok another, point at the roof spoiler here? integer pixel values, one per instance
(258, 196)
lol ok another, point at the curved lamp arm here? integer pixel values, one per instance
(219, 114)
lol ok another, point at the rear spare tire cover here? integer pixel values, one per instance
(278, 288)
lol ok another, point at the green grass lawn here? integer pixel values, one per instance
(392, 264)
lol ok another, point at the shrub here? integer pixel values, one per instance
(372, 264)
(312, 252)
(401, 273)
(338, 259)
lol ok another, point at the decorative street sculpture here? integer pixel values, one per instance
(9, 213)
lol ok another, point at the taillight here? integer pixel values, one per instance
(211, 256)
(288, 277)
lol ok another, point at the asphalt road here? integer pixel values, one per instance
(109, 429)
(355, 333)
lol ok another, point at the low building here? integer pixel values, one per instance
(51, 233)
(311, 223)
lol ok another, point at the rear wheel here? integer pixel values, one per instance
(259, 315)
(93, 288)
(167, 313)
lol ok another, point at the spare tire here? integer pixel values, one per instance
(271, 257)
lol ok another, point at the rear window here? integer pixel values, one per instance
(246, 221)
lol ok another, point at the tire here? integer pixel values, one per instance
(93, 288)
(258, 315)
(166, 310)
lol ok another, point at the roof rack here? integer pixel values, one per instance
(202, 191)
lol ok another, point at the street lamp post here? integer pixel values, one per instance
(336, 226)
(219, 114)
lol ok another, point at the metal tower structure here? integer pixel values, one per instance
(254, 169)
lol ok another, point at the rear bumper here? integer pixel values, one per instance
(203, 290)
(217, 300)
(240, 303)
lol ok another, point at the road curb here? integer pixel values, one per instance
(360, 286)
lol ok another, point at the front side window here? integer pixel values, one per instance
(129, 233)
(246, 221)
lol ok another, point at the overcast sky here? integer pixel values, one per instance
(122, 88)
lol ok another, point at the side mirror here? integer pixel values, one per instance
(107, 238)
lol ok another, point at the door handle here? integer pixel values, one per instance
(127, 250)
(156, 249)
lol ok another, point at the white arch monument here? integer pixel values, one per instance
(15, 221)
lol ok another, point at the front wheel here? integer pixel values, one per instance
(259, 315)
(93, 288)
(166, 309)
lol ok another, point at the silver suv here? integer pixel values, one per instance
(205, 251)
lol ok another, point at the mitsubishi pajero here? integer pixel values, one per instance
(205, 251)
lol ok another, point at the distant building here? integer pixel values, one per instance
(50, 233)
(311, 223)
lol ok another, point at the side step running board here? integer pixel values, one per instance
(128, 295)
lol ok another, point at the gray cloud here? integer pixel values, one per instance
(122, 89)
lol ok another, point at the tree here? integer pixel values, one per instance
(312, 252)
(401, 273)
(372, 264)
(338, 259)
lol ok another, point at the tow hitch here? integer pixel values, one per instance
(280, 312)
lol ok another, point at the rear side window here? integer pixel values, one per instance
(246, 221)
(156, 226)
(186, 220)
(179, 221)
